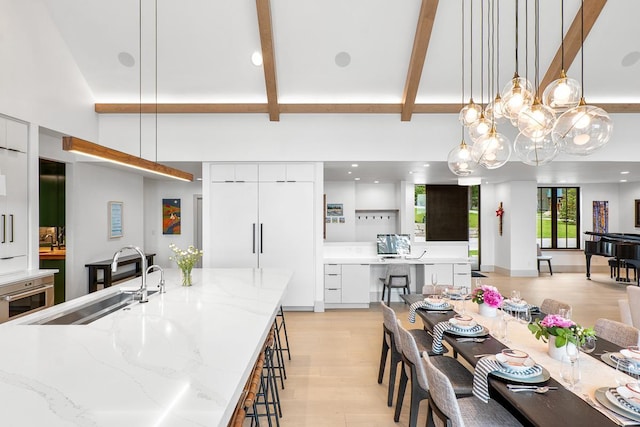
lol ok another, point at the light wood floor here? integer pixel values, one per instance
(332, 375)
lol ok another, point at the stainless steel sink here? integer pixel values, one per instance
(92, 311)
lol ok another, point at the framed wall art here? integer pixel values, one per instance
(115, 219)
(171, 215)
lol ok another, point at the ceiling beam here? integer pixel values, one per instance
(268, 57)
(311, 108)
(418, 54)
(573, 40)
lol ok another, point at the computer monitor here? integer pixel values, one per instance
(393, 244)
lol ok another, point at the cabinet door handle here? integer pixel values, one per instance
(4, 228)
(253, 237)
(11, 220)
(261, 242)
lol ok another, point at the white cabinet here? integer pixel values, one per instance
(262, 225)
(346, 285)
(13, 206)
(462, 274)
(443, 272)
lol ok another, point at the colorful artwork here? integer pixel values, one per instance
(171, 216)
(600, 216)
(334, 209)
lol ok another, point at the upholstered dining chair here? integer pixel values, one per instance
(552, 306)
(391, 342)
(617, 332)
(396, 276)
(447, 410)
(413, 365)
(633, 302)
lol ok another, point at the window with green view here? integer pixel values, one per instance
(558, 217)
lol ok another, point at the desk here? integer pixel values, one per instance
(107, 277)
(558, 408)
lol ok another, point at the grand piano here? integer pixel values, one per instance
(624, 248)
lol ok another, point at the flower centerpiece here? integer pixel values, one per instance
(488, 299)
(186, 260)
(559, 332)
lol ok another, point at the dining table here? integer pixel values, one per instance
(557, 407)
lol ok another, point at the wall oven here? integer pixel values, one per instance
(22, 298)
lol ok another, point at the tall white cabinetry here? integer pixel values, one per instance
(261, 216)
(13, 206)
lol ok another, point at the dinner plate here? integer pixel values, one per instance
(429, 307)
(632, 356)
(601, 398)
(611, 358)
(528, 363)
(460, 333)
(617, 404)
(541, 378)
(629, 396)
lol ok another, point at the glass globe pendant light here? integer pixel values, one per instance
(535, 152)
(491, 150)
(479, 128)
(460, 161)
(582, 130)
(562, 94)
(470, 113)
(516, 95)
(495, 109)
(537, 120)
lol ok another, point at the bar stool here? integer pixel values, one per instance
(282, 326)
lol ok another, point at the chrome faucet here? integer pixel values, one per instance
(143, 287)
(161, 282)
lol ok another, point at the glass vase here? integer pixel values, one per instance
(187, 279)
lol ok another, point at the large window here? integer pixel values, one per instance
(558, 217)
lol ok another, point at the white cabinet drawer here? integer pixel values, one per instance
(332, 296)
(332, 269)
(332, 281)
(462, 268)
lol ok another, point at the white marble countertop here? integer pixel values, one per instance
(10, 278)
(378, 260)
(179, 360)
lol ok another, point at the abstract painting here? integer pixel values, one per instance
(600, 216)
(171, 216)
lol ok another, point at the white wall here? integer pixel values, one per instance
(154, 240)
(629, 193)
(39, 80)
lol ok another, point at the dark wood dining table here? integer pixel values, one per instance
(559, 407)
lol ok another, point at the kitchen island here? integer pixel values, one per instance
(181, 359)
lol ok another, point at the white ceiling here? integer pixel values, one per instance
(204, 50)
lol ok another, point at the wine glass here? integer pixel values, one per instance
(464, 294)
(515, 296)
(434, 279)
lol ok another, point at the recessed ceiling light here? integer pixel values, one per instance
(343, 59)
(126, 59)
(624, 173)
(357, 179)
(623, 180)
(376, 182)
(426, 165)
(256, 58)
(349, 172)
(354, 165)
(410, 172)
(198, 179)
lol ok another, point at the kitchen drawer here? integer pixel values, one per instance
(333, 296)
(462, 268)
(332, 281)
(332, 269)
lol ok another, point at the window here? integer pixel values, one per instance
(558, 217)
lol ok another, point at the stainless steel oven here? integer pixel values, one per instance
(22, 298)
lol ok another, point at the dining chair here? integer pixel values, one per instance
(625, 312)
(413, 365)
(396, 276)
(617, 332)
(552, 306)
(541, 257)
(446, 410)
(391, 342)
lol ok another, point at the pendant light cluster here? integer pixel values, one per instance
(558, 121)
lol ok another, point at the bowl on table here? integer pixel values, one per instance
(632, 353)
(630, 392)
(463, 321)
(515, 360)
(435, 300)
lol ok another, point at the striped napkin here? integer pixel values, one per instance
(439, 330)
(489, 364)
(423, 304)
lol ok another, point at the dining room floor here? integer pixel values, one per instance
(335, 355)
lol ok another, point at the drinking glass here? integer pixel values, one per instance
(570, 369)
(589, 344)
(464, 294)
(626, 368)
(478, 283)
(524, 316)
(499, 330)
(564, 312)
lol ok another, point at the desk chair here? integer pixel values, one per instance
(544, 258)
(397, 276)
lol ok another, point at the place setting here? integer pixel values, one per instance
(460, 326)
(434, 304)
(623, 401)
(516, 368)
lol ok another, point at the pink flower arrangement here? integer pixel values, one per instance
(486, 294)
(556, 320)
(565, 330)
